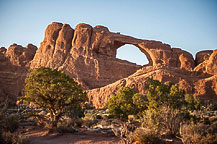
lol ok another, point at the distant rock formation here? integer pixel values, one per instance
(88, 55)
(85, 54)
(14, 64)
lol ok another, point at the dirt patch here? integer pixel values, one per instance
(41, 136)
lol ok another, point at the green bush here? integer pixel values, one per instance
(121, 105)
(165, 107)
(159, 94)
(193, 103)
(140, 101)
(54, 93)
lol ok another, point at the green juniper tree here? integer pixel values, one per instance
(53, 92)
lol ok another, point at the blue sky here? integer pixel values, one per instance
(187, 24)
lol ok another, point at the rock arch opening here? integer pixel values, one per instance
(132, 54)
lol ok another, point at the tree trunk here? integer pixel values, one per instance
(54, 121)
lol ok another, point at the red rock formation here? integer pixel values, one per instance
(89, 60)
(211, 67)
(20, 56)
(208, 63)
(14, 64)
(202, 56)
(88, 55)
(204, 86)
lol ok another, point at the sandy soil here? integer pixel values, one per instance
(41, 136)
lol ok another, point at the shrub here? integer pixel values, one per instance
(124, 130)
(204, 130)
(145, 136)
(15, 138)
(152, 121)
(159, 94)
(68, 125)
(199, 109)
(140, 101)
(89, 122)
(53, 92)
(165, 107)
(199, 133)
(193, 103)
(3, 109)
(12, 122)
(8, 125)
(89, 119)
(110, 117)
(166, 120)
(121, 105)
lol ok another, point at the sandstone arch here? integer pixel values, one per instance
(157, 52)
(88, 54)
(120, 40)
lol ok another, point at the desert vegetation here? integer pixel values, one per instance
(51, 95)
(9, 123)
(163, 114)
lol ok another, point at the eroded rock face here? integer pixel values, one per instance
(20, 56)
(88, 54)
(211, 67)
(208, 63)
(204, 86)
(202, 56)
(83, 54)
(14, 64)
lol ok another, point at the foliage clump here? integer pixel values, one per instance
(9, 123)
(52, 94)
(166, 107)
(199, 133)
(162, 109)
(121, 105)
(145, 136)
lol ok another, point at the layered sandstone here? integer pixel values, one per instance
(88, 54)
(88, 60)
(204, 86)
(14, 64)
(202, 56)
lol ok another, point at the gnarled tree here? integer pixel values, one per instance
(53, 92)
